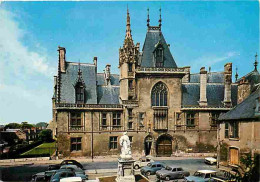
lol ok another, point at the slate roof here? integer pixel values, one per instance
(108, 94)
(151, 40)
(244, 110)
(253, 77)
(215, 95)
(212, 77)
(68, 80)
(101, 79)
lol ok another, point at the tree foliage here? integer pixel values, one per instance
(13, 126)
(250, 163)
(41, 124)
(46, 135)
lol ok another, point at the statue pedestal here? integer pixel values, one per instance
(125, 170)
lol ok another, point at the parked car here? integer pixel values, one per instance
(65, 162)
(151, 168)
(39, 177)
(71, 179)
(210, 160)
(143, 161)
(79, 172)
(202, 176)
(171, 172)
(62, 174)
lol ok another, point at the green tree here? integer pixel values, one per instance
(26, 125)
(13, 126)
(41, 124)
(46, 135)
(251, 165)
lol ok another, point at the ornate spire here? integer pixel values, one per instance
(128, 28)
(236, 75)
(160, 20)
(79, 71)
(148, 18)
(256, 62)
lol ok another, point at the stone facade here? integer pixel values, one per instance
(164, 108)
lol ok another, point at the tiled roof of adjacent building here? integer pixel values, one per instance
(215, 95)
(244, 110)
(151, 40)
(253, 77)
(212, 77)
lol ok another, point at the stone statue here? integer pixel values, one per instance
(125, 147)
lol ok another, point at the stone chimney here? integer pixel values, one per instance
(186, 77)
(227, 83)
(107, 74)
(203, 87)
(95, 61)
(62, 58)
(244, 90)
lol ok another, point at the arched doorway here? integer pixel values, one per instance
(148, 144)
(164, 146)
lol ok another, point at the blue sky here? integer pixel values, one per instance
(202, 33)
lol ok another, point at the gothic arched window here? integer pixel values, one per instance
(79, 90)
(159, 94)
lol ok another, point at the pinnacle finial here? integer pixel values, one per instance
(79, 71)
(160, 19)
(236, 75)
(128, 28)
(148, 18)
(256, 62)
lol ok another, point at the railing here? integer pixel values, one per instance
(76, 128)
(70, 105)
(117, 128)
(142, 69)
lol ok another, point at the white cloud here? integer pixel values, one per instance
(16, 57)
(213, 60)
(25, 74)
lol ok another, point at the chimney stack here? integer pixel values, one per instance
(62, 58)
(107, 74)
(203, 87)
(227, 83)
(95, 61)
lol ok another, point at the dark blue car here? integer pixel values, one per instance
(151, 168)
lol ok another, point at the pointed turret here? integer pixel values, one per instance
(160, 19)
(236, 75)
(128, 26)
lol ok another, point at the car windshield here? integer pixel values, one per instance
(202, 175)
(168, 168)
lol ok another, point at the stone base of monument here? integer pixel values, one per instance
(125, 170)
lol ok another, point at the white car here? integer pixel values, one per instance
(210, 160)
(71, 179)
(143, 161)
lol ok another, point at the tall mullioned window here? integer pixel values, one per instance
(75, 144)
(75, 119)
(190, 119)
(116, 119)
(113, 142)
(159, 95)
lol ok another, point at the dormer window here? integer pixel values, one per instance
(158, 56)
(79, 90)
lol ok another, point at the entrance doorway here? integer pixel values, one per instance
(148, 145)
(233, 155)
(164, 146)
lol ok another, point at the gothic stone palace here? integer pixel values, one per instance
(164, 108)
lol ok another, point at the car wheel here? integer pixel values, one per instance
(136, 167)
(148, 173)
(182, 176)
(167, 178)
